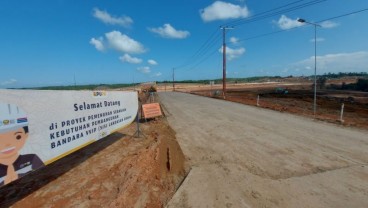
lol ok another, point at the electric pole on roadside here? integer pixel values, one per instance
(133, 82)
(75, 83)
(173, 79)
(224, 28)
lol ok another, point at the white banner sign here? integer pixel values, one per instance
(39, 127)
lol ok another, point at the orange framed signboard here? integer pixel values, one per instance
(151, 110)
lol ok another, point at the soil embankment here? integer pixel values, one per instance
(117, 171)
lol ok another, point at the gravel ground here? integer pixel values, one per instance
(244, 156)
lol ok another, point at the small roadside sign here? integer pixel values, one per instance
(151, 110)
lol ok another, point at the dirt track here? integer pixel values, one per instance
(243, 156)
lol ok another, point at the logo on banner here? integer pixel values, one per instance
(99, 94)
(22, 120)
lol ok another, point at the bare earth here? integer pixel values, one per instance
(117, 171)
(299, 101)
(244, 156)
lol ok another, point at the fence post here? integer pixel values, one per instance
(258, 100)
(342, 113)
(151, 97)
(138, 133)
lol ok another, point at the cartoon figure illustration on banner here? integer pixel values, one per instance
(13, 136)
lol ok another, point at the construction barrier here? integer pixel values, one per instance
(151, 110)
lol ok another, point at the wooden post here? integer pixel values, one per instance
(342, 113)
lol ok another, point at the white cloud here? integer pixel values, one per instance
(220, 10)
(318, 40)
(129, 59)
(286, 23)
(144, 69)
(124, 43)
(157, 74)
(234, 40)
(329, 24)
(118, 41)
(339, 62)
(9, 82)
(98, 43)
(168, 31)
(233, 53)
(152, 62)
(106, 18)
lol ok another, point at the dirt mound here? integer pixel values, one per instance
(118, 171)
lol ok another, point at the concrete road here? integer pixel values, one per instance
(244, 156)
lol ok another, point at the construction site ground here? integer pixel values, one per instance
(208, 152)
(298, 100)
(117, 171)
(245, 156)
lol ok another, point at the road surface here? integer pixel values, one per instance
(244, 156)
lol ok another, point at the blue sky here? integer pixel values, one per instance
(48, 42)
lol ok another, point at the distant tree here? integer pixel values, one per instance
(362, 84)
(152, 89)
(321, 82)
(343, 86)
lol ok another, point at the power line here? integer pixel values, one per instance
(209, 43)
(320, 21)
(268, 34)
(204, 59)
(280, 12)
(294, 8)
(258, 14)
(204, 45)
(276, 32)
(202, 50)
(208, 56)
(343, 15)
(208, 47)
(267, 14)
(197, 60)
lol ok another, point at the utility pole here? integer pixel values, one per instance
(75, 83)
(315, 62)
(133, 82)
(224, 28)
(173, 79)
